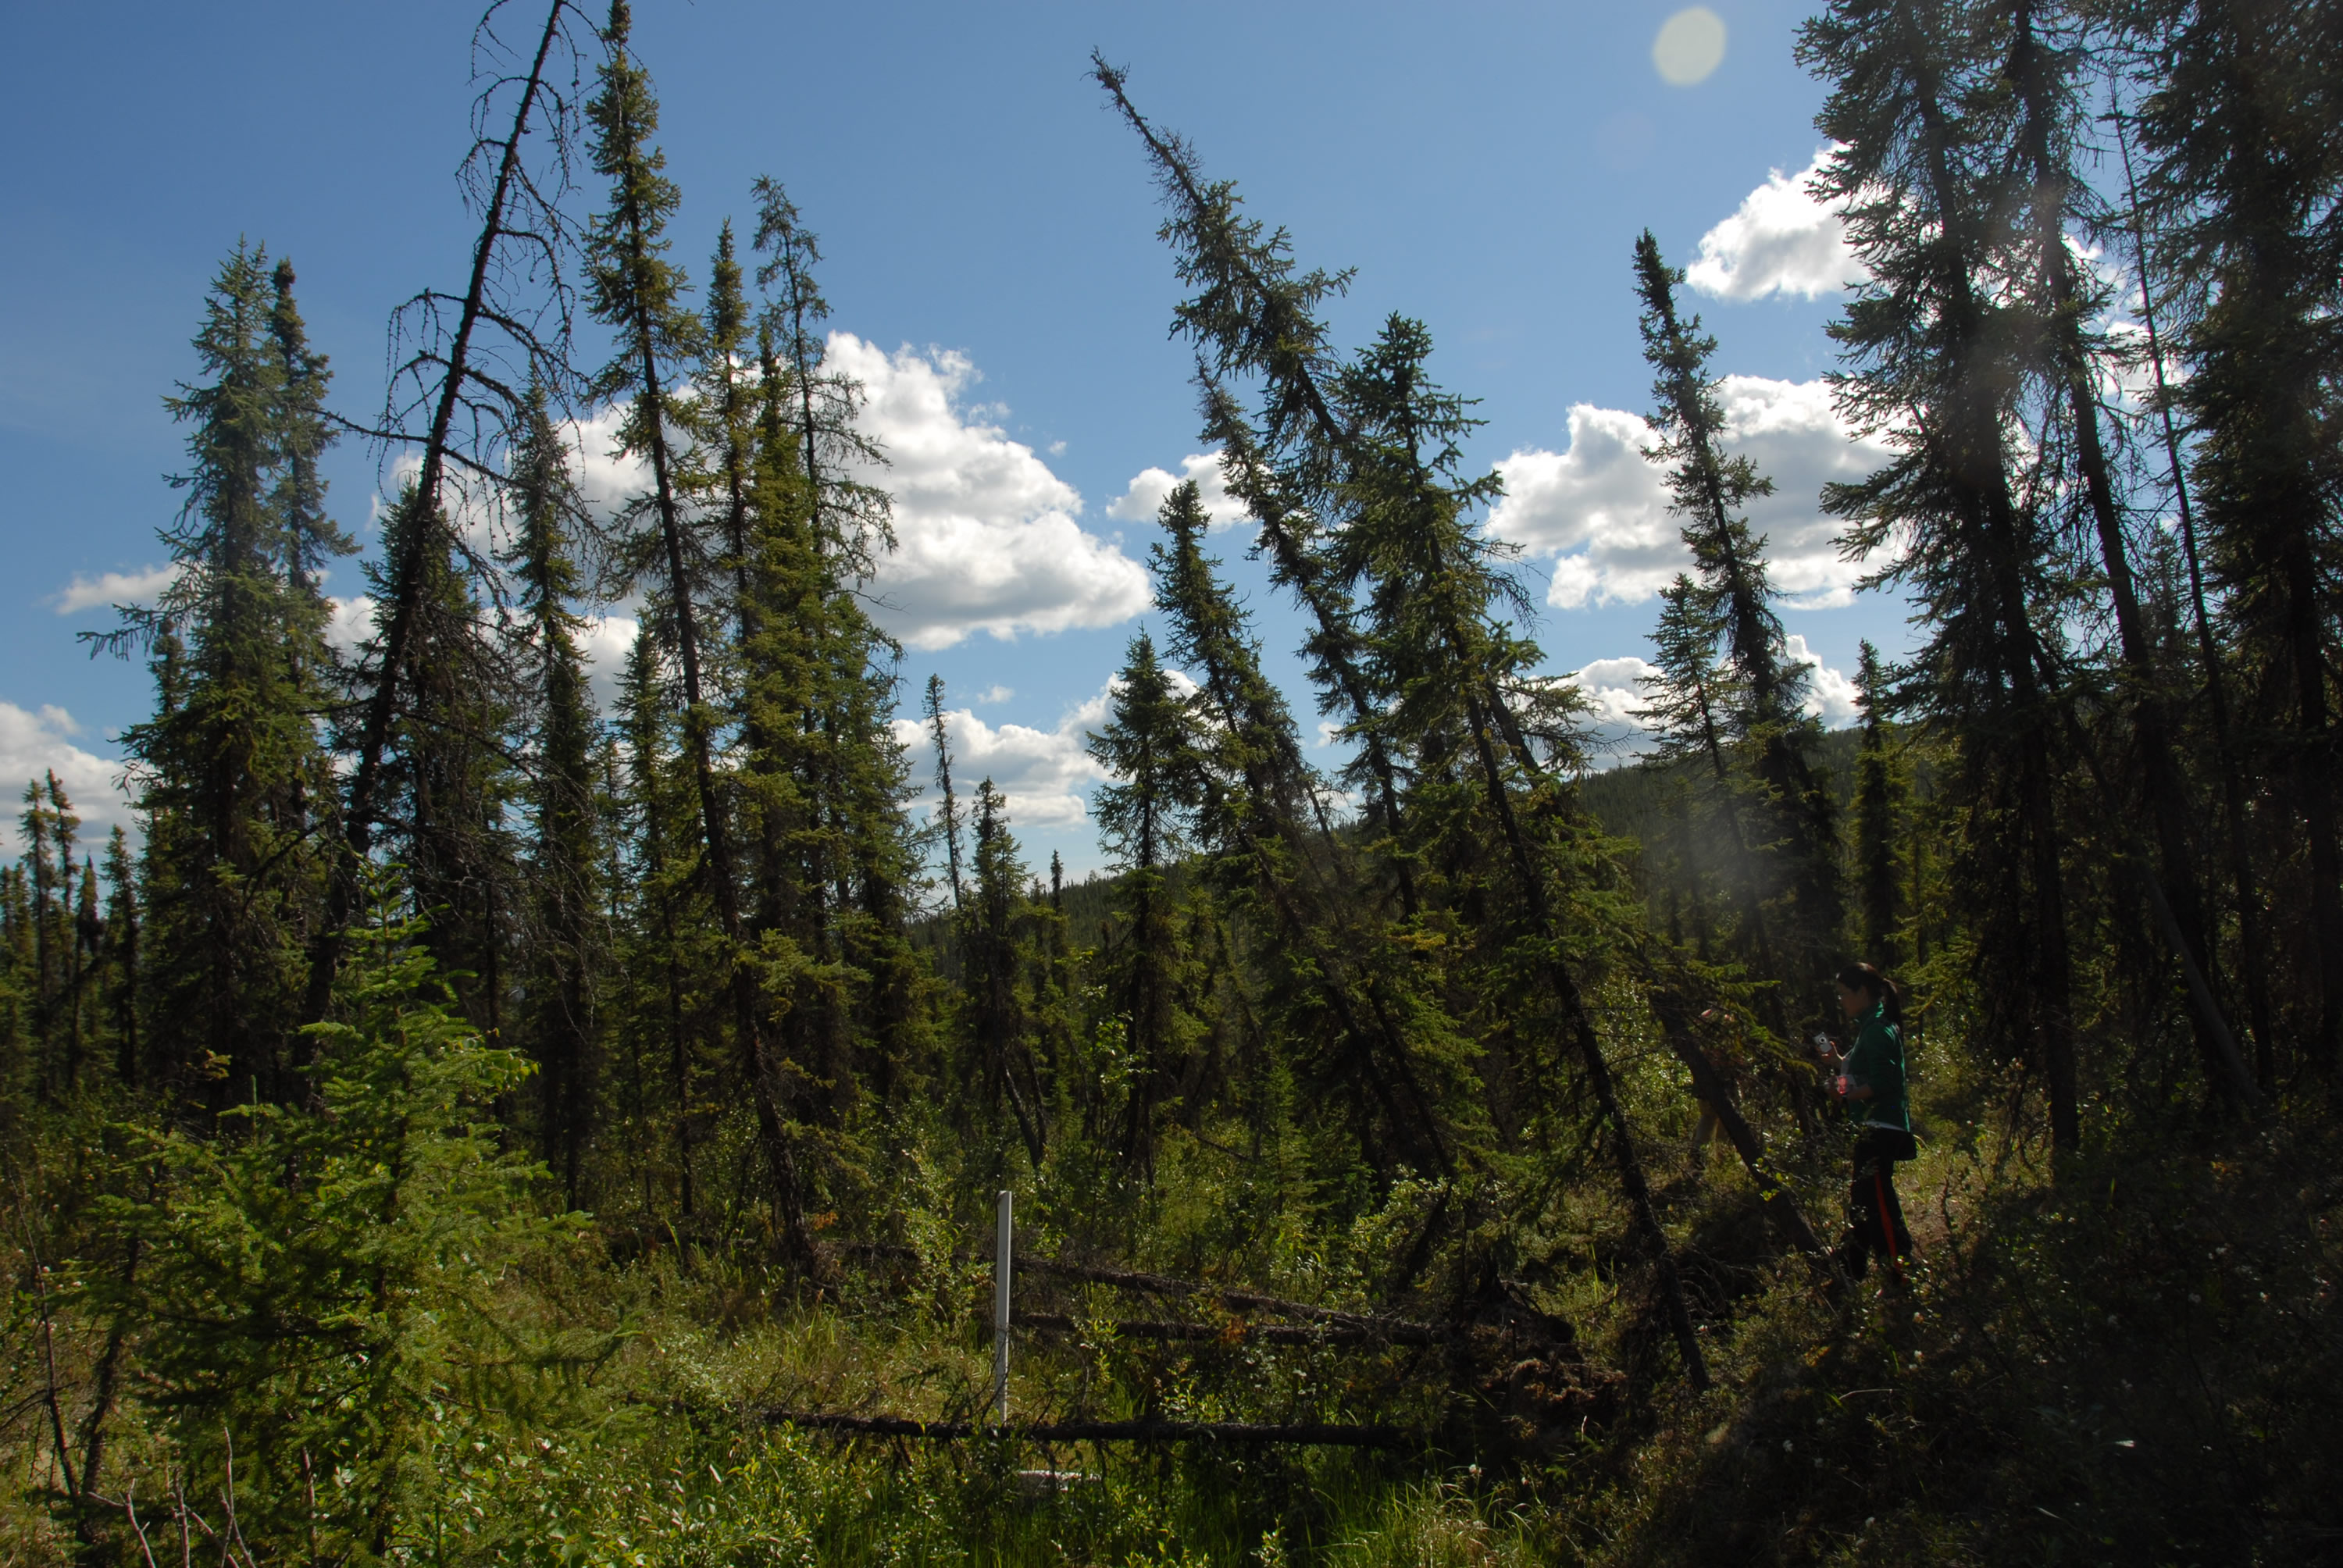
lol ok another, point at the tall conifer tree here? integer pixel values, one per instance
(231, 764)
(566, 940)
(638, 293)
(1707, 489)
(2244, 174)
(1147, 748)
(1929, 343)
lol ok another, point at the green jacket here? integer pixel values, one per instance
(1876, 1063)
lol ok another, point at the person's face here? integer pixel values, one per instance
(1853, 1003)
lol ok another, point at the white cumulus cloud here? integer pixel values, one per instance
(1142, 498)
(988, 540)
(1046, 774)
(35, 742)
(606, 641)
(1609, 687)
(1830, 693)
(108, 589)
(1600, 510)
(1780, 240)
(348, 623)
(1615, 696)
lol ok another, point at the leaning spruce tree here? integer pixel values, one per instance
(1930, 364)
(1708, 489)
(1371, 446)
(638, 293)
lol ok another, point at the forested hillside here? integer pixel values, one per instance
(466, 1125)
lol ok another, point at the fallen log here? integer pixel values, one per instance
(1240, 1331)
(1396, 1331)
(1714, 1089)
(1307, 1433)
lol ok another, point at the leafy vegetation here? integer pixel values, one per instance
(471, 1129)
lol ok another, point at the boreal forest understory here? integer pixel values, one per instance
(468, 1127)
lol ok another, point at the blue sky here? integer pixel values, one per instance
(988, 232)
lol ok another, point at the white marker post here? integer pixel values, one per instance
(1001, 1314)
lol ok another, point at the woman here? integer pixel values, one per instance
(1870, 1084)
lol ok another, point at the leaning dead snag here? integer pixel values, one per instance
(472, 380)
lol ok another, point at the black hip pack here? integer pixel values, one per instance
(1888, 1143)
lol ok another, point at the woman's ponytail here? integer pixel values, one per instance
(1866, 978)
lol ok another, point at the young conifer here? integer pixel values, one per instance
(1879, 788)
(998, 1063)
(122, 929)
(566, 938)
(1147, 748)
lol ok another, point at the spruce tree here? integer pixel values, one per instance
(49, 826)
(993, 942)
(447, 784)
(2243, 173)
(122, 931)
(566, 941)
(231, 765)
(1930, 342)
(1254, 314)
(1357, 1032)
(1147, 749)
(312, 539)
(1454, 669)
(1708, 489)
(474, 355)
(2041, 84)
(853, 517)
(659, 966)
(823, 779)
(636, 292)
(2253, 953)
(948, 816)
(1692, 698)
(1879, 788)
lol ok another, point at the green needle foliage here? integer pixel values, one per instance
(234, 771)
(1787, 838)
(468, 1114)
(317, 1286)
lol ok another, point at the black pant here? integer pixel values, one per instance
(1874, 1214)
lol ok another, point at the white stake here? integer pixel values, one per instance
(1001, 1315)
